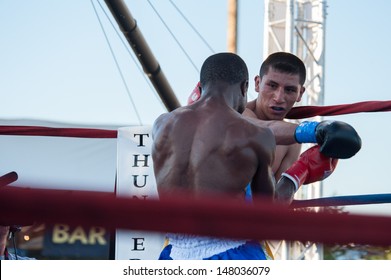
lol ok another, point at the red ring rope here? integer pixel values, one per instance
(302, 112)
(299, 112)
(55, 131)
(222, 216)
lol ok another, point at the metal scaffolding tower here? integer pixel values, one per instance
(298, 27)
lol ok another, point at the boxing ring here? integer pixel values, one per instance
(220, 217)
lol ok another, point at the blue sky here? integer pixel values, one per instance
(56, 65)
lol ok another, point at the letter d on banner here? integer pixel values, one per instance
(135, 178)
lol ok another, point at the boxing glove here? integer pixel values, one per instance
(336, 139)
(312, 166)
(195, 94)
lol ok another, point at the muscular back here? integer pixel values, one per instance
(205, 148)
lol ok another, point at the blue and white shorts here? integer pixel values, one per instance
(192, 247)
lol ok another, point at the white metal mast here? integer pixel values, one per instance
(298, 27)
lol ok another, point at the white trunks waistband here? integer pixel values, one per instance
(185, 246)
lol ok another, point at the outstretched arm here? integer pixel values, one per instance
(336, 139)
(284, 132)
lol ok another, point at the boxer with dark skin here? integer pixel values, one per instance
(213, 135)
(210, 148)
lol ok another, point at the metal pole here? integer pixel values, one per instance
(133, 35)
(232, 25)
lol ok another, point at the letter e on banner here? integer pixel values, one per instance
(135, 178)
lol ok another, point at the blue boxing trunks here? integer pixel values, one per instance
(192, 247)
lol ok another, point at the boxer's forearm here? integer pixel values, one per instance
(285, 191)
(284, 132)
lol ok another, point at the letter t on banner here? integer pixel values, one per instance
(135, 178)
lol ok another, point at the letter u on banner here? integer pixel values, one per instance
(135, 178)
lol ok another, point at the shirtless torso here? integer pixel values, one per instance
(207, 139)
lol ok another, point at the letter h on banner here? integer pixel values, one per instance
(135, 178)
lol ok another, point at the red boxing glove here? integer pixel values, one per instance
(312, 166)
(195, 94)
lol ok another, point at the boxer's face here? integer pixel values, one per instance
(277, 93)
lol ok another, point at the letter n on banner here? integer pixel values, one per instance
(135, 178)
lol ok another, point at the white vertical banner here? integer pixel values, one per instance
(135, 178)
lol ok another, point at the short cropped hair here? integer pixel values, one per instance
(285, 63)
(227, 67)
